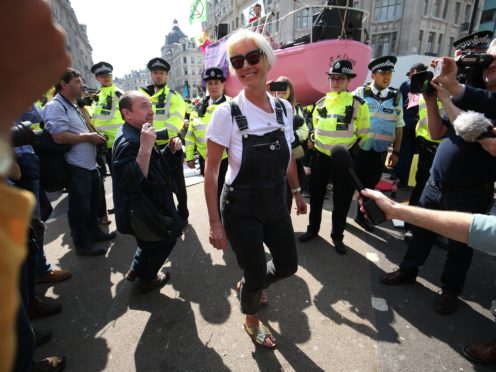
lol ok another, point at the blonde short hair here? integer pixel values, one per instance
(259, 41)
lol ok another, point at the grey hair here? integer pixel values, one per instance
(259, 41)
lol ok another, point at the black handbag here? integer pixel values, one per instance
(146, 221)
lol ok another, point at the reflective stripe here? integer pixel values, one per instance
(363, 130)
(332, 116)
(200, 127)
(330, 147)
(422, 122)
(422, 106)
(334, 134)
(111, 115)
(384, 116)
(171, 128)
(202, 139)
(382, 137)
(189, 143)
(106, 127)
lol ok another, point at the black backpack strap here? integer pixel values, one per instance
(240, 119)
(280, 108)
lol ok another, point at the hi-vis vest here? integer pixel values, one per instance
(340, 119)
(384, 116)
(169, 109)
(105, 112)
(197, 129)
(422, 128)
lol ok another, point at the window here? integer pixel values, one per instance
(384, 44)
(185, 60)
(426, 7)
(457, 13)
(430, 43)
(420, 39)
(439, 44)
(445, 10)
(467, 12)
(435, 8)
(386, 10)
(451, 48)
(303, 19)
(277, 22)
(487, 15)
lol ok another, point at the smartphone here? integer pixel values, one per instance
(278, 86)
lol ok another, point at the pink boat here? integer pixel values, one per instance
(305, 64)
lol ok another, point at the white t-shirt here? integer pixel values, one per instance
(224, 131)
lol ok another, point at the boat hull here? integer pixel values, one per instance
(306, 66)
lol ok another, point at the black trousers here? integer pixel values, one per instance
(322, 168)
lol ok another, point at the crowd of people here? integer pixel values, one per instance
(256, 151)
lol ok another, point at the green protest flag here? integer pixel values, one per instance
(198, 11)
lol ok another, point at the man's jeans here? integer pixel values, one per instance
(149, 258)
(84, 201)
(459, 255)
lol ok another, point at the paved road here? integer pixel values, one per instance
(333, 315)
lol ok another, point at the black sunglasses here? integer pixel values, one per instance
(252, 58)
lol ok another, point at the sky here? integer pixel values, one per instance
(128, 33)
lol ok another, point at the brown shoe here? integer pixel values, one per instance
(160, 280)
(41, 308)
(397, 277)
(54, 276)
(445, 303)
(50, 364)
(481, 352)
(131, 275)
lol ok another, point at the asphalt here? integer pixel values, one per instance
(333, 315)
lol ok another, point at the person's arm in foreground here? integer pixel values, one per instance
(217, 235)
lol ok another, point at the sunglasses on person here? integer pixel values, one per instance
(252, 58)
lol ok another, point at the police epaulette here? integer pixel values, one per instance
(149, 90)
(359, 99)
(118, 93)
(173, 91)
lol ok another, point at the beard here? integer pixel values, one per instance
(160, 86)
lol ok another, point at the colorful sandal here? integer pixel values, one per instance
(264, 298)
(260, 335)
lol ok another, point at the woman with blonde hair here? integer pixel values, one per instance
(256, 129)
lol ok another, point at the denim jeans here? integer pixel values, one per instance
(150, 257)
(84, 202)
(459, 254)
(30, 181)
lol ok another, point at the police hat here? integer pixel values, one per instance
(214, 73)
(158, 64)
(102, 68)
(381, 64)
(342, 66)
(478, 40)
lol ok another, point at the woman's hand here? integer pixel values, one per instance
(301, 206)
(217, 236)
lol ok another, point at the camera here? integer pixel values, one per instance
(22, 134)
(420, 82)
(470, 65)
(278, 86)
(162, 134)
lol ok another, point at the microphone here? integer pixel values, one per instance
(342, 159)
(472, 126)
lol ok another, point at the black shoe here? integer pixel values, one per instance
(100, 236)
(306, 237)
(90, 250)
(365, 224)
(445, 303)
(160, 280)
(339, 246)
(131, 275)
(397, 277)
(50, 364)
(41, 337)
(41, 308)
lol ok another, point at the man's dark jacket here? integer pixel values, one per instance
(157, 186)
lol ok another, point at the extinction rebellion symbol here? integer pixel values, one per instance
(197, 9)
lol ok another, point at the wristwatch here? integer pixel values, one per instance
(296, 191)
(6, 158)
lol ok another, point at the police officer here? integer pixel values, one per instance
(340, 118)
(199, 119)
(426, 148)
(386, 127)
(105, 108)
(169, 109)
